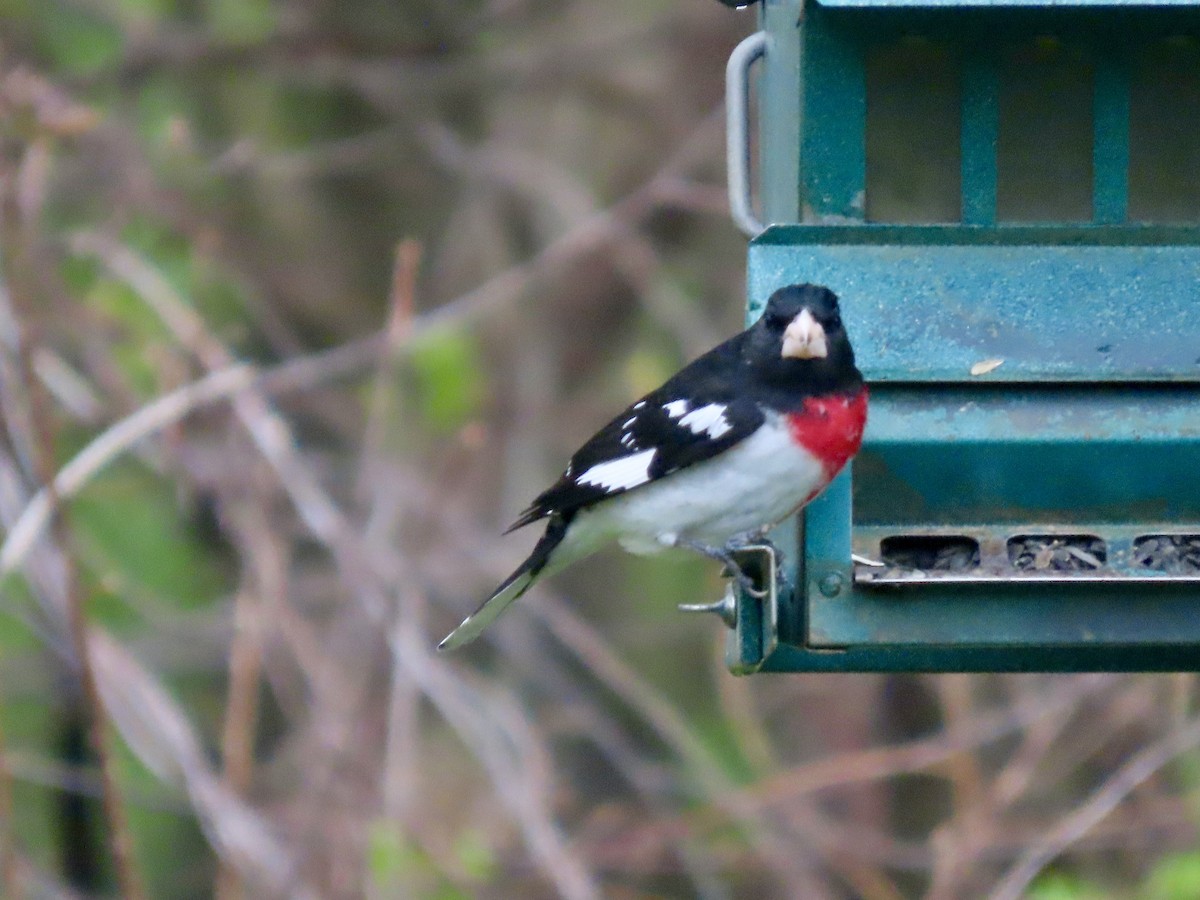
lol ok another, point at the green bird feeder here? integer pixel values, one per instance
(1006, 197)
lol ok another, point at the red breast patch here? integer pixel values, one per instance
(830, 428)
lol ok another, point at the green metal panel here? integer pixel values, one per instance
(1009, 615)
(980, 124)
(926, 303)
(833, 149)
(1062, 454)
(960, 658)
(1110, 152)
(1010, 4)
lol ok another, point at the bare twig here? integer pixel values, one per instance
(958, 840)
(119, 835)
(169, 409)
(9, 873)
(1103, 801)
(110, 444)
(400, 762)
(740, 707)
(163, 739)
(920, 755)
(670, 725)
(498, 747)
(266, 564)
(328, 523)
(18, 242)
(270, 432)
(401, 302)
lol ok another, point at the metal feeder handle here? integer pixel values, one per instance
(737, 131)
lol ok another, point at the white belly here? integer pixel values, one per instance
(754, 484)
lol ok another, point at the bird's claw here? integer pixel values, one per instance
(756, 540)
(732, 570)
(744, 581)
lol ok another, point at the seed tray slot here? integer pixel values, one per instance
(1030, 557)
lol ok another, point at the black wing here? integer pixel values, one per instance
(692, 417)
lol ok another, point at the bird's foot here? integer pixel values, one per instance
(756, 538)
(732, 568)
(746, 538)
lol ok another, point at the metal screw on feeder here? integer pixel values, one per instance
(725, 608)
(831, 585)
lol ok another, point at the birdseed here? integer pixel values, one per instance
(1057, 553)
(931, 553)
(1174, 554)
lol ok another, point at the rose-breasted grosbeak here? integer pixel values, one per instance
(730, 446)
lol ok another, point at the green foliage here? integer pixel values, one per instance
(80, 44)
(1064, 886)
(160, 105)
(173, 856)
(136, 334)
(145, 10)
(141, 343)
(32, 726)
(242, 21)
(678, 575)
(474, 855)
(394, 863)
(389, 856)
(449, 379)
(646, 368)
(130, 529)
(1174, 877)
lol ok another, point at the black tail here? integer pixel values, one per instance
(513, 587)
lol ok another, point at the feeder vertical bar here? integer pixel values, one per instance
(780, 90)
(827, 572)
(1110, 146)
(834, 120)
(980, 131)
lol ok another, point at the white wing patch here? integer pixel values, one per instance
(621, 473)
(708, 420)
(676, 408)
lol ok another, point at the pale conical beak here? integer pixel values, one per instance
(804, 338)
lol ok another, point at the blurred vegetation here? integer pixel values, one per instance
(303, 301)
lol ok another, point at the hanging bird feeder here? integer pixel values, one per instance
(1006, 197)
